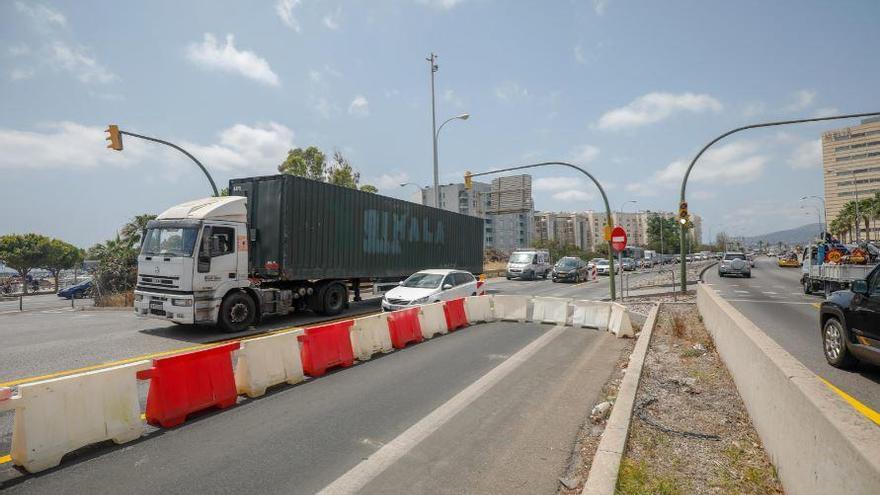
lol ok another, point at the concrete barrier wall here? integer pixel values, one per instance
(818, 443)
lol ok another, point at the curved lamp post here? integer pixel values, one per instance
(463, 116)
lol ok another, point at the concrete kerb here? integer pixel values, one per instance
(604, 469)
(817, 442)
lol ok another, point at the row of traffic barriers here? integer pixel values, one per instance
(57, 416)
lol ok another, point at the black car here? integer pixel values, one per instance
(850, 323)
(570, 269)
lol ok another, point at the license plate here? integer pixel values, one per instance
(156, 305)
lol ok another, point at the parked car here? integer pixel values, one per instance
(628, 264)
(603, 267)
(849, 322)
(734, 264)
(78, 291)
(529, 264)
(570, 269)
(429, 286)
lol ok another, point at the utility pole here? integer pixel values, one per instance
(432, 60)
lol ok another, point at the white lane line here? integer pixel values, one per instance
(768, 301)
(770, 293)
(364, 472)
(741, 291)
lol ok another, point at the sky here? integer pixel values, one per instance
(630, 90)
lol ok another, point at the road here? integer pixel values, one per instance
(773, 299)
(490, 408)
(40, 302)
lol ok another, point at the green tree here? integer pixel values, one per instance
(23, 253)
(341, 173)
(224, 191)
(369, 188)
(309, 163)
(669, 227)
(60, 256)
(132, 232)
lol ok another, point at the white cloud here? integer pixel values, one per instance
(654, 107)
(450, 97)
(331, 20)
(77, 62)
(801, 100)
(359, 107)
(702, 194)
(20, 74)
(573, 195)
(510, 90)
(209, 54)
(599, 6)
(807, 155)
(556, 183)
(389, 181)
(323, 107)
(43, 16)
(641, 189)
(753, 109)
(584, 153)
(70, 145)
(315, 76)
(441, 4)
(579, 54)
(826, 112)
(19, 50)
(284, 9)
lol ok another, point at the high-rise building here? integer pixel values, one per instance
(565, 228)
(851, 162)
(457, 198)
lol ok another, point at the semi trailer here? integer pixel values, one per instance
(282, 243)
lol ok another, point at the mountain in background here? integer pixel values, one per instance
(798, 235)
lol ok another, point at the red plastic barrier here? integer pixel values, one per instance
(325, 347)
(455, 316)
(183, 384)
(480, 290)
(404, 327)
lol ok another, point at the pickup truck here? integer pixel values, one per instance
(818, 276)
(849, 323)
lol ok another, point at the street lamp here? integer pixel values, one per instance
(404, 184)
(463, 116)
(824, 213)
(432, 60)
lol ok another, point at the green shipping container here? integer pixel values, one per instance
(301, 229)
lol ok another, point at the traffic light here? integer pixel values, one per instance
(468, 182)
(683, 212)
(115, 137)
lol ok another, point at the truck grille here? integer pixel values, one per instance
(158, 281)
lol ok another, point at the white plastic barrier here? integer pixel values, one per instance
(619, 323)
(550, 310)
(478, 308)
(509, 307)
(369, 336)
(57, 416)
(593, 314)
(267, 361)
(432, 319)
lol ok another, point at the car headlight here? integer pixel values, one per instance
(181, 302)
(421, 300)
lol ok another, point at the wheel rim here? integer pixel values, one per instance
(833, 340)
(238, 313)
(334, 298)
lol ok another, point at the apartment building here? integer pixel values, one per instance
(457, 198)
(565, 228)
(586, 229)
(851, 165)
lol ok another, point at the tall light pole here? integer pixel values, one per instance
(432, 60)
(463, 116)
(824, 214)
(620, 253)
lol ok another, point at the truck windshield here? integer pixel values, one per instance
(423, 281)
(170, 241)
(521, 258)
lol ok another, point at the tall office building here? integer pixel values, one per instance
(457, 198)
(851, 164)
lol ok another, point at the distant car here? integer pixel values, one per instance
(849, 323)
(603, 267)
(734, 264)
(570, 269)
(529, 264)
(429, 286)
(78, 291)
(628, 264)
(789, 260)
(647, 263)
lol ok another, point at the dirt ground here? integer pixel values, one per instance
(690, 431)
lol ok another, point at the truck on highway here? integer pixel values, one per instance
(283, 243)
(817, 275)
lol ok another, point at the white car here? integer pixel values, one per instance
(428, 286)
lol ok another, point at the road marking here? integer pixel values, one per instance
(22, 381)
(858, 406)
(5, 459)
(815, 305)
(769, 293)
(768, 301)
(741, 291)
(367, 470)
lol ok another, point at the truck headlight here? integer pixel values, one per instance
(181, 302)
(138, 297)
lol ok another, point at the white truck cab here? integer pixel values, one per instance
(192, 255)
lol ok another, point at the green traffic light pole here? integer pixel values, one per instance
(178, 148)
(683, 224)
(601, 190)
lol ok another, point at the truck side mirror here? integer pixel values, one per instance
(860, 287)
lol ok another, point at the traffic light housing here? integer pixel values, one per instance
(468, 182)
(115, 137)
(683, 212)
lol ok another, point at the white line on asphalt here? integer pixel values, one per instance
(364, 472)
(767, 301)
(771, 293)
(741, 291)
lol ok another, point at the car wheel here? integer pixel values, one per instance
(508, 278)
(834, 345)
(237, 313)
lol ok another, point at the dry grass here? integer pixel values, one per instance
(121, 300)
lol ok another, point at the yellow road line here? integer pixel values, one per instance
(21, 381)
(858, 406)
(815, 305)
(5, 459)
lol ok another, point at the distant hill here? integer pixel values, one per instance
(797, 235)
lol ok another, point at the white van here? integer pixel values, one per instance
(529, 264)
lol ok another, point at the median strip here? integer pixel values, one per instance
(858, 406)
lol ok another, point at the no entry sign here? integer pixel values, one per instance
(618, 238)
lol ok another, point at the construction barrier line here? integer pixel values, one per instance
(455, 315)
(511, 308)
(432, 319)
(325, 347)
(593, 314)
(404, 327)
(550, 310)
(268, 361)
(478, 309)
(370, 336)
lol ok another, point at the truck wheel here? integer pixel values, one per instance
(333, 298)
(834, 345)
(237, 313)
(808, 286)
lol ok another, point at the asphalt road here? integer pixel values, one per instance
(490, 408)
(40, 302)
(773, 299)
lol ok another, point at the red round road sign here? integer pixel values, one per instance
(618, 238)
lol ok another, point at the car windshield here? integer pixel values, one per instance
(734, 256)
(628, 260)
(602, 262)
(521, 257)
(170, 241)
(567, 263)
(423, 281)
